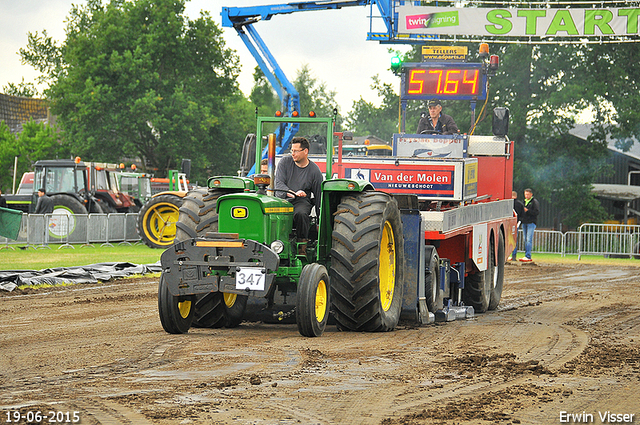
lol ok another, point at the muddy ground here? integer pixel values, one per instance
(564, 341)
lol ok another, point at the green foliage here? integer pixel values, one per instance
(138, 79)
(36, 141)
(262, 95)
(367, 119)
(21, 89)
(315, 96)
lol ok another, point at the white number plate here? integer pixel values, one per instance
(249, 277)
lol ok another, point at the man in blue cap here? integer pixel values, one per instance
(436, 122)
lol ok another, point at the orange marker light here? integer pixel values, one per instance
(77, 160)
(295, 114)
(312, 114)
(278, 114)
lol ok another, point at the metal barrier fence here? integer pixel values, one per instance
(38, 231)
(617, 240)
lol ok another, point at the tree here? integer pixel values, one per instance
(36, 141)
(138, 79)
(21, 89)
(367, 119)
(262, 95)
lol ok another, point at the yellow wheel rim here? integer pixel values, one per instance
(321, 301)
(229, 299)
(387, 270)
(184, 307)
(161, 222)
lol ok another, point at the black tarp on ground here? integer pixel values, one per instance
(10, 279)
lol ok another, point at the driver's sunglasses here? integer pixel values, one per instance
(297, 150)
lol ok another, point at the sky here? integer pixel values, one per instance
(332, 43)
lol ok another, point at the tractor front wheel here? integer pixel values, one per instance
(367, 262)
(198, 215)
(312, 302)
(176, 313)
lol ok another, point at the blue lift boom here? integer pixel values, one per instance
(243, 18)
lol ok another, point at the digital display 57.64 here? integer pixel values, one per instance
(443, 82)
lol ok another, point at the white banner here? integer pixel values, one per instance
(516, 22)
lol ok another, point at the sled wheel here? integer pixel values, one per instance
(157, 220)
(497, 273)
(312, 302)
(478, 286)
(432, 291)
(176, 313)
(367, 263)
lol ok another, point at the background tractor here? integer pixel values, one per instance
(157, 218)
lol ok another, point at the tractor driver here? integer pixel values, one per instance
(436, 121)
(296, 173)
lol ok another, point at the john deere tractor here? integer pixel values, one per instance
(236, 255)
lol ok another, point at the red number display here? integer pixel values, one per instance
(443, 82)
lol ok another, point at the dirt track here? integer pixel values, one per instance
(564, 339)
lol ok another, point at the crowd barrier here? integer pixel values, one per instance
(611, 240)
(84, 230)
(38, 231)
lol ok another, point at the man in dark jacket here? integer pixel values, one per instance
(45, 204)
(518, 208)
(298, 174)
(436, 121)
(529, 220)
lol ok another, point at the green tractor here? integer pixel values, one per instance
(236, 257)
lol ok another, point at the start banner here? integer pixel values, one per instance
(519, 22)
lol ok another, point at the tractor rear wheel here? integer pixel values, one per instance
(176, 313)
(477, 287)
(367, 262)
(312, 302)
(157, 220)
(68, 203)
(198, 215)
(498, 274)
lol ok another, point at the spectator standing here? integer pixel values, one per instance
(529, 220)
(518, 208)
(45, 204)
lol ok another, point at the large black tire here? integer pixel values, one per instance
(176, 313)
(69, 203)
(478, 286)
(157, 219)
(433, 292)
(312, 300)
(198, 215)
(367, 262)
(497, 273)
(64, 206)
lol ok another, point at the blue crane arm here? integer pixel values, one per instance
(242, 20)
(234, 15)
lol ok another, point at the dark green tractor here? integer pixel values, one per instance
(236, 256)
